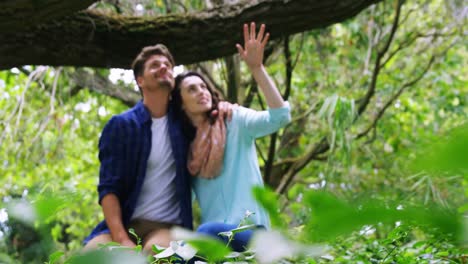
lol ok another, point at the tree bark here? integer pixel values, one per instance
(19, 15)
(93, 39)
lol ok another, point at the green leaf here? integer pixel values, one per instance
(446, 154)
(55, 256)
(107, 257)
(268, 199)
(47, 206)
(132, 232)
(209, 248)
(442, 254)
(332, 217)
(243, 228)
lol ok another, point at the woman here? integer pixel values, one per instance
(222, 157)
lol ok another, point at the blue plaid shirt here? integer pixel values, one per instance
(124, 149)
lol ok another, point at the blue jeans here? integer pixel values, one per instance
(238, 243)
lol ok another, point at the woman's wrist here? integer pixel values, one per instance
(258, 69)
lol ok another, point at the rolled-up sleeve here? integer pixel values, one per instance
(112, 152)
(261, 123)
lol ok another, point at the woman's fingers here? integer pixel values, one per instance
(254, 44)
(252, 31)
(246, 34)
(265, 40)
(240, 50)
(222, 127)
(260, 33)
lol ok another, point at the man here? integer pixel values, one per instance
(144, 183)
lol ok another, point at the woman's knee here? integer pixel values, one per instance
(214, 228)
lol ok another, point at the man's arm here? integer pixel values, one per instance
(113, 215)
(112, 148)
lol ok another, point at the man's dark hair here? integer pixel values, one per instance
(138, 65)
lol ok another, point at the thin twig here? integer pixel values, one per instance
(51, 108)
(372, 86)
(22, 100)
(403, 88)
(323, 145)
(54, 89)
(370, 45)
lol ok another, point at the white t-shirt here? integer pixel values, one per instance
(157, 200)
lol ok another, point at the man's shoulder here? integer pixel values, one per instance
(130, 119)
(129, 114)
(132, 114)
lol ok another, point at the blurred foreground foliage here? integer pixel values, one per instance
(395, 194)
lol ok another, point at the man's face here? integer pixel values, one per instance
(157, 74)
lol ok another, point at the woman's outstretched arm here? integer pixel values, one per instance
(252, 54)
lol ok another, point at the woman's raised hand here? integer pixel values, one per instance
(254, 45)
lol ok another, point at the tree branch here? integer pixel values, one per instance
(253, 89)
(316, 150)
(94, 39)
(288, 69)
(402, 89)
(371, 91)
(323, 145)
(394, 97)
(97, 83)
(406, 43)
(21, 15)
(274, 136)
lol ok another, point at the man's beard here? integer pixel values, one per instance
(165, 84)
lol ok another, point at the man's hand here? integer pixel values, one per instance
(225, 110)
(127, 243)
(113, 215)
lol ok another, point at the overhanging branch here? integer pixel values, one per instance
(98, 40)
(20, 15)
(97, 83)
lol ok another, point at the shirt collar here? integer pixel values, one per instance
(144, 115)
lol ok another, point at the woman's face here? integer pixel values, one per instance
(196, 98)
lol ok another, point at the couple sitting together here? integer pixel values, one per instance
(180, 138)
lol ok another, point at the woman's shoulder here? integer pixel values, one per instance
(240, 113)
(244, 112)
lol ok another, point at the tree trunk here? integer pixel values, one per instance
(233, 79)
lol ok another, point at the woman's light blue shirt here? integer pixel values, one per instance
(228, 197)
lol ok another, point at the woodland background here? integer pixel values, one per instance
(374, 163)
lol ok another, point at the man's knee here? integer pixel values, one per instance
(96, 241)
(161, 238)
